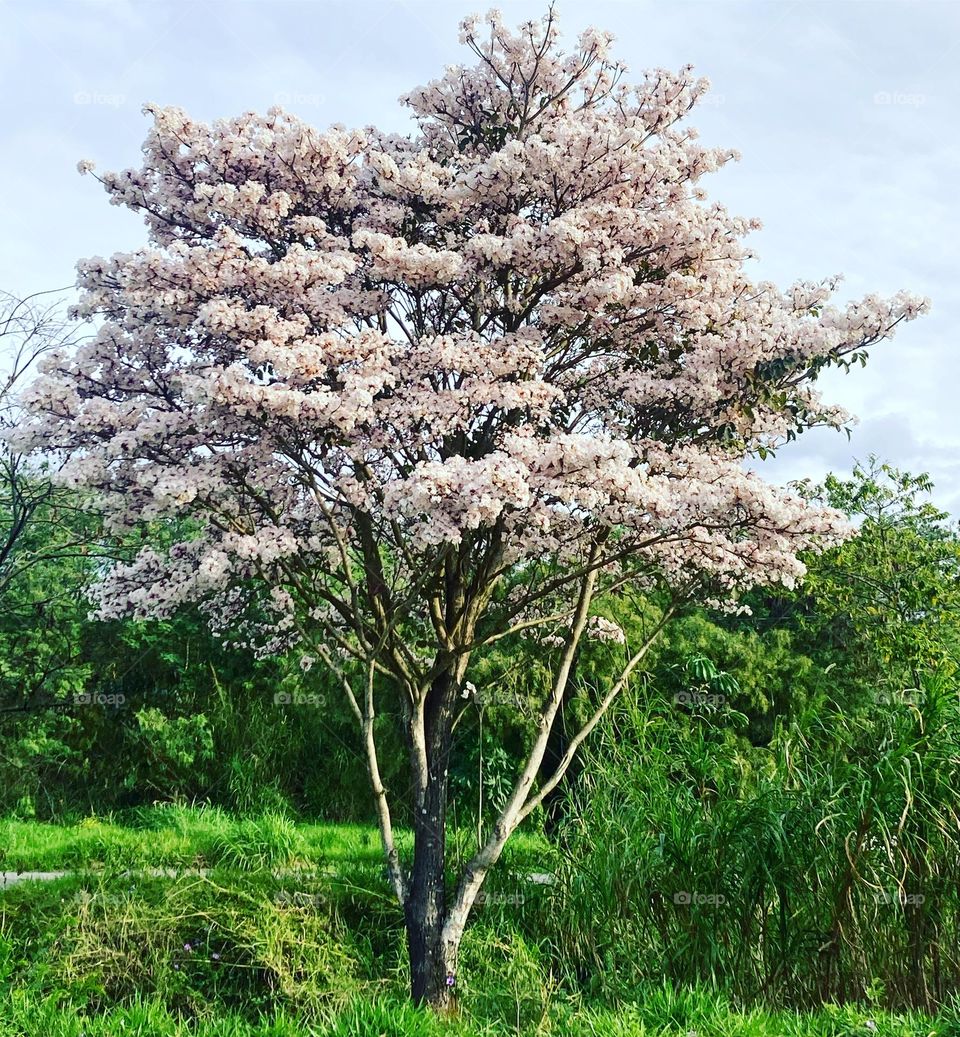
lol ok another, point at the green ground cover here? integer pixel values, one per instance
(265, 942)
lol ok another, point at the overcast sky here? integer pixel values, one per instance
(845, 114)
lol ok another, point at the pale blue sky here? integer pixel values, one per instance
(845, 112)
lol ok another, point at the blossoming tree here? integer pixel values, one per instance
(419, 393)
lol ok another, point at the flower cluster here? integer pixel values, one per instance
(519, 331)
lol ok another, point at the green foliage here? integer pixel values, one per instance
(259, 843)
(243, 955)
(705, 667)
(173, 747)
(887, 602)
(505, 976)
(188, 941)
(795, 768)
(98, 716)
(824, 866)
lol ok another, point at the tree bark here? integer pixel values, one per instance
(555, 804)
(433, 960)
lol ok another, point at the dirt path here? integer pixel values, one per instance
(11, 878)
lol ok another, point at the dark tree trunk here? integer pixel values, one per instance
(432, 964)
(425, 909)
(555, 803)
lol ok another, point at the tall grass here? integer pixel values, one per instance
(239, 957)
(823, 868)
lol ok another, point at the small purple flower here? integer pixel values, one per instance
(187, 947)
(450, 979)
(215, 956)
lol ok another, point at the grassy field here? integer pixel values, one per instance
(200, 837)
(290, 930)
(695, 1015)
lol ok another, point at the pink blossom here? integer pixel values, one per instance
(518, 332)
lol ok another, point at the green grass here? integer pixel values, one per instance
(391, 1017)
(237, 954)
(262, 946)
(188, 837)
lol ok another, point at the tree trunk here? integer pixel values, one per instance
(433, 965)
(555, 803)
(432, 972)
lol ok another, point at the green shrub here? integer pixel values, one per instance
(268, 841)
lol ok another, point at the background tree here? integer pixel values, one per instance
(30, 328)
(891, 595)
(419, 394)
(39, 523)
